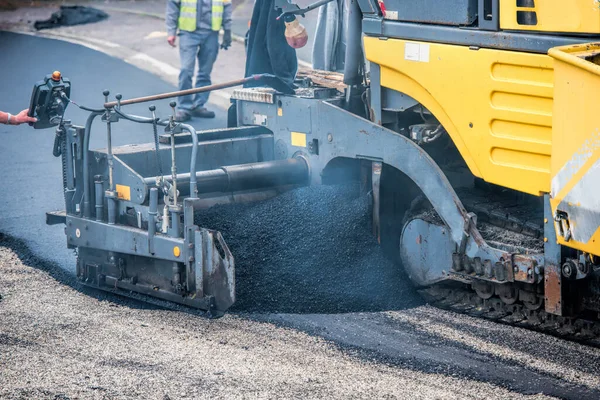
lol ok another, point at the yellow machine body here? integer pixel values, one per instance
(496, 105)
(572, 16)
(575, 166)
(520, 120)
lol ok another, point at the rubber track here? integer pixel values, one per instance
(461, 299)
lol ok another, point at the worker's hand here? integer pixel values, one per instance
(171, 40)
(22, 118)
(226, 40)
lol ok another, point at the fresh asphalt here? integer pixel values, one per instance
(523, 361)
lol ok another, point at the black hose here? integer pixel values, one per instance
(141, 120)
(155, 122)
(90, 109)
(156, 154)
(64, 96)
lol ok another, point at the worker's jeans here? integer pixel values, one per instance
(202, 45)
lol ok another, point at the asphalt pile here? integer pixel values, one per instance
(310, 250)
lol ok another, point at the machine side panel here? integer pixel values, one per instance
(575, 16)
(575, 193)
(496, 105)
(449, 12)
(533, 42)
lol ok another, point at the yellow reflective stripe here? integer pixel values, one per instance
(187, 15)
(217, 15)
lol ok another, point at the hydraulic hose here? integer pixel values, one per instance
(193, 183)
(190, 129)
(86, 147)
(86, 167)
(135, 118)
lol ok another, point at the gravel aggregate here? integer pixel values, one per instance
(309, 250)
(321, 313)
(59, 341)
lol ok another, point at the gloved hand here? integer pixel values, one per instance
(226, 39)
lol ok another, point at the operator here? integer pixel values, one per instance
(20, 118)
(199, 23)
(272, 43)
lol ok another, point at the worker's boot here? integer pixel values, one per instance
(202, 112)
(182, 116)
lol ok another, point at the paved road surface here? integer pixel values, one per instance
(242, 14)
(31, 175)
(433, 353)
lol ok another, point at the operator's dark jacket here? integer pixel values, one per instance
(268, 51)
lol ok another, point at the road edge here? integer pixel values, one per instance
(235, 37)
(143, 61)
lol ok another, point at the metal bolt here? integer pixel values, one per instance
(191, 259)
(529, 272)
(329, 137)
(190, 245)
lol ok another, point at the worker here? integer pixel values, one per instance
(20, 118)
(272, 43)
(199, 23)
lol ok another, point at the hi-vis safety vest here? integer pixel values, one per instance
(187, 14)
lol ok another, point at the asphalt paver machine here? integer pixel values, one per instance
(474, 129)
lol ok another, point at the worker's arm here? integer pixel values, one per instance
(20, 118)
(227, 11)
(172, 16)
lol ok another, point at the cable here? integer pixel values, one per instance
(157, 155)
(140, 120)
(64, 96)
